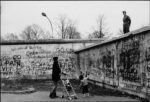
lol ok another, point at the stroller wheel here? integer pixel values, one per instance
(70, 98)
(75, 97)
(62, 96)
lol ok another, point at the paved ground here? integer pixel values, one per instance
(42, 96)
(42, 88)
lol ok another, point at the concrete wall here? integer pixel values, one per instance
(122, 62)
(34, 59)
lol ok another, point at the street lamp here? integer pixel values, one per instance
(44, 14)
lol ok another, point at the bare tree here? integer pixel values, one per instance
(34, 32)
(11, 36)
(101, 29)
(46, 35)
(2, 38)
(94, 34)
(62, 26)
(67, 28)
(71, 31)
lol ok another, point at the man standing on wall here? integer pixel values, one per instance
(126, 23)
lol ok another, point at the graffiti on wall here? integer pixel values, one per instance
(35, 61)
(130, 60)
(127, 60)
(148, 58)
(133, 87)
(90, 64)
(108, 63)
(11, 65)
(99, 63)
(148, 65)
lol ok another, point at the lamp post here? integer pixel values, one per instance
(44, 14)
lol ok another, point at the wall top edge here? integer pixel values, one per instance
(135, 32)
(50, 41)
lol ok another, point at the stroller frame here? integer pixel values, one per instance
(71, 94)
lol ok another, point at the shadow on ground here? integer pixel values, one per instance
(47, 85)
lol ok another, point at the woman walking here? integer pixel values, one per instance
(55, 77)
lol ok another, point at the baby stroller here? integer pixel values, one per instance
(68, 88)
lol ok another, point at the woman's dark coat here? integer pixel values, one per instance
(56, 72)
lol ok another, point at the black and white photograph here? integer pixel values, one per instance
(75, 51)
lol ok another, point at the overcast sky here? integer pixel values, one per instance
(16, 15)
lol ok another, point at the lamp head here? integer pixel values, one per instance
(43, 14)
